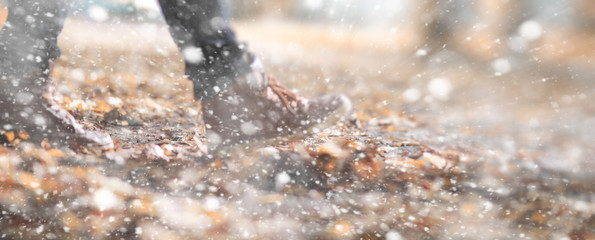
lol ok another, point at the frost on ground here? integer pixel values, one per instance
(430, 153)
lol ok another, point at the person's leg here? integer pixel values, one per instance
(28, 47)
(202, 32)
(241, 104)
(29, 38)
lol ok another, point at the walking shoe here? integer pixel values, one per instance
(26, 104)
(256, 108)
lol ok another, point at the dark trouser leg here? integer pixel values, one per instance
(28, 45)
(201, 29)
(28, 42)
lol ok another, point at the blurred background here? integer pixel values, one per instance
(509, 82)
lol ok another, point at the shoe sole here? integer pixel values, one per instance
(329, 121)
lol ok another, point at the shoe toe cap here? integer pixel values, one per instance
(97, 138)
(336, 104)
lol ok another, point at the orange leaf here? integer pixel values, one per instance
(23, 135)
(29, 181)
(56, 153)
(102, 107)
(10, 136)
(215, 217)
(342, 229)
(368, 169)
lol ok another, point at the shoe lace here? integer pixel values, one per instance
(289, 99)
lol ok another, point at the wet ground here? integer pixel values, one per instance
(440, 146)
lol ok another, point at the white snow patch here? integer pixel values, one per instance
(184, 214)
(105, 199)
(98, 13)
(440, 88)
(218, 23)
(213, 139)
(412, 95)
(212, 204)
(531, 30)
(314, 4)
(39, 229)
(393, 235)
(115, 101)
(39, 120)
(249, 128)
(193, 54)
(281, 179)
(421, 53)
(24, 98)
(159, 152)
(147, 5)
(501, 66)
(517, 44)
(30, 19)
(581, 206)
(77, 75)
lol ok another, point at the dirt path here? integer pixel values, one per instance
(438, 148)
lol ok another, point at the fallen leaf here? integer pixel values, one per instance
(9, 135)
(56, 153)
(29, 181)
(341, 229)
(102, 107)
(368, 168)
(23, 135)
(436, 160)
